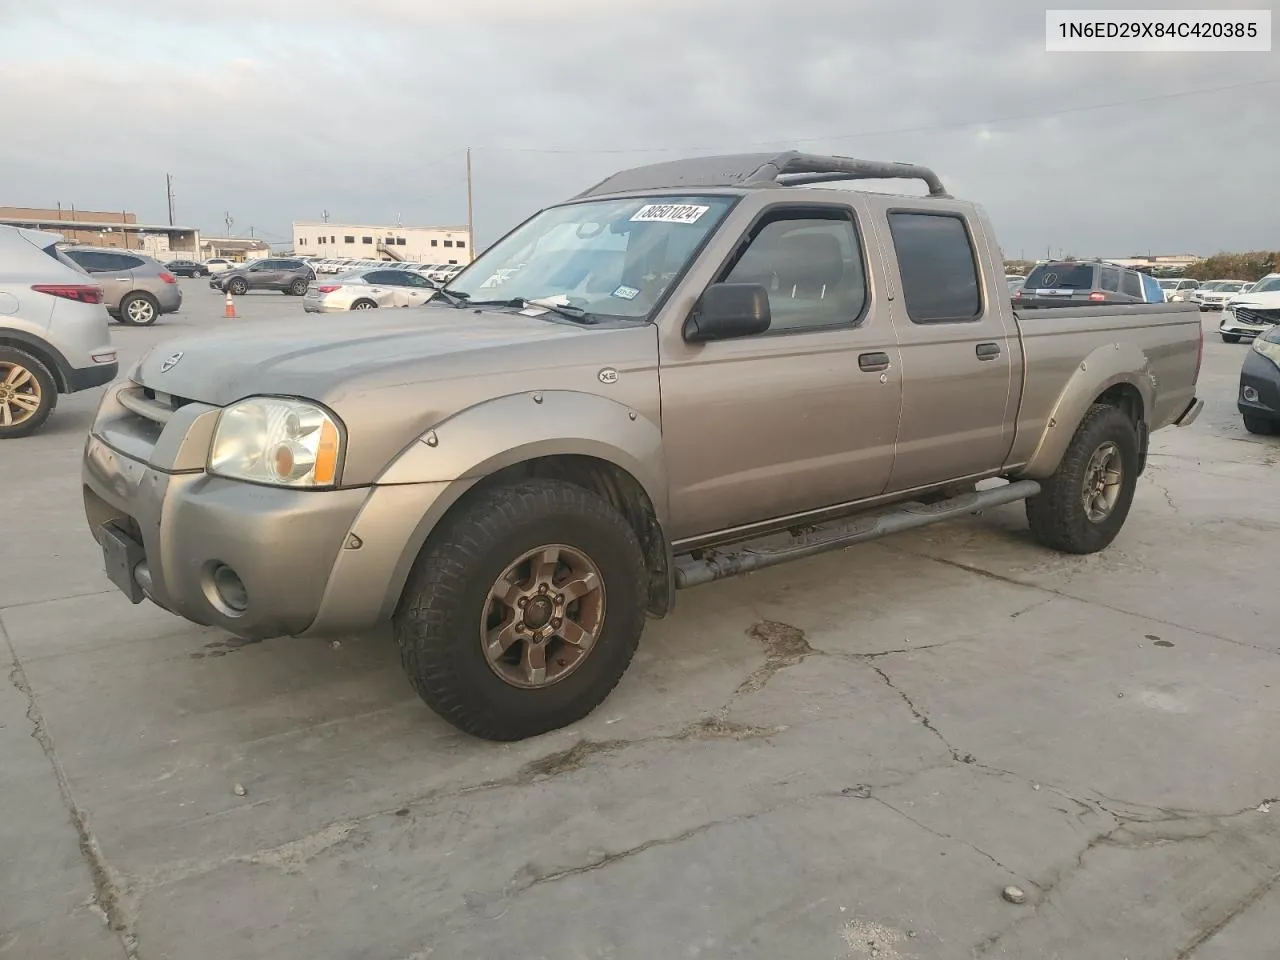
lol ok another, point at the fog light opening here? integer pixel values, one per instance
(1251, 395)
(230, 588)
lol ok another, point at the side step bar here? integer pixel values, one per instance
(703, 566)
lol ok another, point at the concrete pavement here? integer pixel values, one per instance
(847, 757)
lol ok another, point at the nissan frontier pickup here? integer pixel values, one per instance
(691, 370)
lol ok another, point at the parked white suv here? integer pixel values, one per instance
(1215, 293)
(1249, 314)
(53, 330)
(1175, 289)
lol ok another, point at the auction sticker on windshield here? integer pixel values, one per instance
(669, 213)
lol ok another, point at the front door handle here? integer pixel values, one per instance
(872, 362)
(987, 351)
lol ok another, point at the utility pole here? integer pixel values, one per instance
(228, 220)
(471, 223)
(168, 184)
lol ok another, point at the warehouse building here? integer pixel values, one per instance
(100, 228)
(363, 241)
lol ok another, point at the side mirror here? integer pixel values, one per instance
(728, 310)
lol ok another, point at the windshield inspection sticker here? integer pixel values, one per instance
(626, 293)
(668, 213)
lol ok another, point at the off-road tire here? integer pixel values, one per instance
(437, 622)
(1262, 426)
(10, 356)
(237, 287)
(1057, 514)
(144, 318)
(1230, 338)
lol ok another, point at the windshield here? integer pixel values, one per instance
(1211, 285)
(605, 257)
(1232, 287)
(1266, 285)
(1168, 284)
(1061, 276)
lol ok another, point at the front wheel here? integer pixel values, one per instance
(523, 610)
(1230, 338)
(1082, 506)
(238, 287)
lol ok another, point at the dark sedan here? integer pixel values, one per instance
(1259, 399)
(187, 268)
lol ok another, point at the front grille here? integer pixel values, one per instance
(1257, 317)
(150, 404)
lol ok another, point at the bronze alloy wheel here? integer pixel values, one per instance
(20, 394)
(1102, 482)
(543, 617)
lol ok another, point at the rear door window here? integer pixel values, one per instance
(938, 268)
(1061, 276)
(1109, 280)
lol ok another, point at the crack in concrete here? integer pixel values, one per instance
(1130, 833)
(949, 837)
(784, 645)
(107, 892)
(923, 719)
(1215, 928)
(1013, 581)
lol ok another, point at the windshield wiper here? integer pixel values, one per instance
(455, 297)
(523, 303)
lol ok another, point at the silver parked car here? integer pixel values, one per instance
(136, 288)
(53, 330)
(367, 289)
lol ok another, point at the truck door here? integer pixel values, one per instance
(959, 400)
(799, 417)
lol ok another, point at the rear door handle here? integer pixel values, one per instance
(987, 351)
(872, 362)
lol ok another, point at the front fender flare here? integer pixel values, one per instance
(516, 428)
(1105, 367)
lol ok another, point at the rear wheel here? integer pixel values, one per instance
(139, 310)
(364, 304)
(28, 393)
(1083, 505)
(1230, 338)
(523, 610)
(298, 288)
(1263, 426)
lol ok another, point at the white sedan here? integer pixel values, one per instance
(368, 290)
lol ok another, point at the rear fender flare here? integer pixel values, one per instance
(1105, 367)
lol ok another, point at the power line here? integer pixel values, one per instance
(888, 131)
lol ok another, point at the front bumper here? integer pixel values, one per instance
(315, 562)
(1231, 325)
(1263, 377)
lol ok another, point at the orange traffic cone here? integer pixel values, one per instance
(230, 311)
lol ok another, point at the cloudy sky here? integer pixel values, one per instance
(276, 110)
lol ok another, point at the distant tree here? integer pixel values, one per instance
(1235, 266)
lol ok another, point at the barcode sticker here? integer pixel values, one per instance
(669, 213)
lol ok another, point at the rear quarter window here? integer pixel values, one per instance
(1130, 285)
(937, 265)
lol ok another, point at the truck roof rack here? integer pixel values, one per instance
(790, 168)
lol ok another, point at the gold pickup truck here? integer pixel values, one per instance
(691, 370)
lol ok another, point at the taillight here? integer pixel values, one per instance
(80, 292)
(168, 277)
(328, 289)
(1097, 296)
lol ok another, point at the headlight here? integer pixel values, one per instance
(1268, 344)
(290, 443)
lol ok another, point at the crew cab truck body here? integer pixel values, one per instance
(691, 370)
